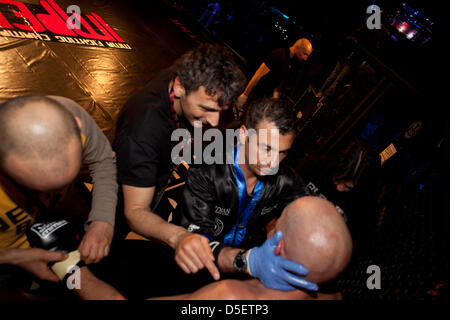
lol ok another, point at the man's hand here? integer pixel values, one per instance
(193, 253)
(35, 261)
(242, 99)
(96, 242)
(274, 271)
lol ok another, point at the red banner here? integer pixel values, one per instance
(49, 22)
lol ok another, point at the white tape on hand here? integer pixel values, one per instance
(61, 268)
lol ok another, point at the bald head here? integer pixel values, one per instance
(316, 236)
(302, 49)
(41, 143)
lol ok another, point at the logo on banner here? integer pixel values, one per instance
(49, 22)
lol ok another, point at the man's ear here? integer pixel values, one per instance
(243, 134)
(178, 89)
(79, 123)
(279, 248)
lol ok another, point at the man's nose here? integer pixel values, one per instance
(274, 162)
(213, 119)
(271, 160)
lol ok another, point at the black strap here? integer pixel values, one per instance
(174, 167)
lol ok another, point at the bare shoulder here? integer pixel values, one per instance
(250, 290)
(225, 290)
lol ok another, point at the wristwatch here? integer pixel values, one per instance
(240, 261)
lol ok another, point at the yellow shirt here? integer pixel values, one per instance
(14, 221)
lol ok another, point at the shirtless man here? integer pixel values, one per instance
(313, 233)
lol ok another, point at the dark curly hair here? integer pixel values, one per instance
(214, 67)
(276, 110)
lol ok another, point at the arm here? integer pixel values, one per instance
(192, 251)
(32, 260)
(226, 259)
(143, 221)
(100, 159)
(195, 213)
(138, 162)
(92, 288)
(261, 72)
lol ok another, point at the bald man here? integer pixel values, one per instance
(310, 230)
(44, 142)
(282, 64)
(313, 233)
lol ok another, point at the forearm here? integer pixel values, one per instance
(9, 255)
(92, 288)
(149, 224)
(14, 256)
(226, 259)
(252, 83)
(104, 192)
(261, 72)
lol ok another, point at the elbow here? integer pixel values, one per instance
(130, 215)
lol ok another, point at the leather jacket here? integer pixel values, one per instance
(210, 203)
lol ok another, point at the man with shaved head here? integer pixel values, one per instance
(41, 143)
(44, 143)
(310, 231)
(313, 233)
(282, 66)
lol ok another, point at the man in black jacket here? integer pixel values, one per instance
(226, 207)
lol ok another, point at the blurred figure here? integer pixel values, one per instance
(332, 177)
(212, 11)
(346, 58)
(281, 64)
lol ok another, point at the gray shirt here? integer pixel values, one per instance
(101, 162)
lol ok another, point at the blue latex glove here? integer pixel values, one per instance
(274, 271)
